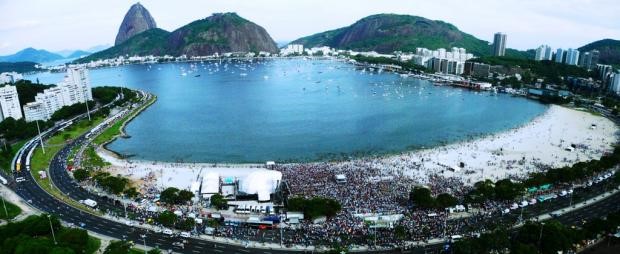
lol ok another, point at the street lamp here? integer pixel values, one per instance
(5, 210)
(40, 138)
(144, 238)
(52, 229)
(542, 224)
(87, 110)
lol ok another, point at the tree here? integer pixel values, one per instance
(507, 190)
(400, 232)
(219, 202)
(75, 239)
(118, 247)
(131, 192)
(167, 218)
(184, 196)
(421, 197)
(297, 204)
(444, 200)
(169, 195)
(187, 224)
(81, 175)
(154, 251)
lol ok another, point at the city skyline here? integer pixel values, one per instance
(75, 25)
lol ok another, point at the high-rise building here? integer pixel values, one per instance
(9, 103)
(78, 83)
(75, 88)
(499, 44)
(589, 59)
(35, 111)
(559, 55)
(572, 57)
(603, 70)
(615, 83)
(544, 52)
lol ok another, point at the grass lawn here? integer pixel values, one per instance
(93, 245)
(11, 208)
(90, 159)
(5, 160)
(41, 161)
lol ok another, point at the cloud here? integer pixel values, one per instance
(63, 24)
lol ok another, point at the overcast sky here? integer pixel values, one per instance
(79, 24)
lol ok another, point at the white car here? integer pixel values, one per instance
(167, 232)
(185, 234)
(157, 230)
(129, 223)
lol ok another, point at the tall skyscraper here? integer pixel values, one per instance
(544, 52)
(572, 57)
(589, 59)
(9, 103)
(559, 55)
(499, 44)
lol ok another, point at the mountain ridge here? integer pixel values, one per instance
(387, 32)
(31, 55)
(218, 33)
(609, 50)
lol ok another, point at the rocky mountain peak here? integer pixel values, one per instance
(137, 20)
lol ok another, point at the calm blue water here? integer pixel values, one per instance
(297, 110)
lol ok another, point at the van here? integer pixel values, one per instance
(167, 232)
(185, 234)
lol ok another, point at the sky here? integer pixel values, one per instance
(57, 25)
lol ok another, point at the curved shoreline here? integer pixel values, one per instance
(124, 124)
(499, 153)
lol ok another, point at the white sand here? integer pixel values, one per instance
(542, 141)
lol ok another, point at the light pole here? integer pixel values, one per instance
(40, 138)
(542, 224)
(87, 110)
(144, 238)
(5, 210)
(52, 229)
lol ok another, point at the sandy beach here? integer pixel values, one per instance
(517, 152)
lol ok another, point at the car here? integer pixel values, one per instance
(563, 193)
(157, 230)
(20, 179)
(185, 234)
(179, 244)
(129, 223)
(167, 232)
(82, 224)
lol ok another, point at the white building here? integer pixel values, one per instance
(35, 111)
(75, 88)
(292, 49)
(453, 62)
(10, 77)
(9, 103)
(543, 52)
(572, 57)
(78, 84)
(615, 83)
